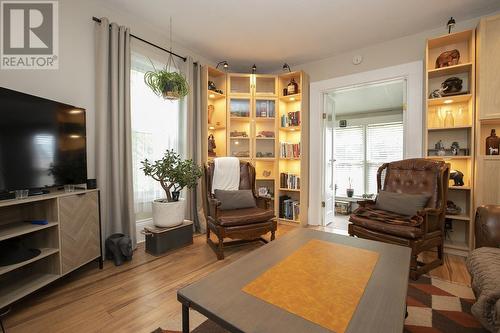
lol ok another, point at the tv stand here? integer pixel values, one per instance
(70, 239)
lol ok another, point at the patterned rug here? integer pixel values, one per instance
(434, 306)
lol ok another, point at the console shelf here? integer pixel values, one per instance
(70, 239)
(16, 229)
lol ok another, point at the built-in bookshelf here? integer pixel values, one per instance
(260, 124)
(293, 148)
(487, 175)
(450, 128)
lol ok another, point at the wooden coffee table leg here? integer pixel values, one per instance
(185, 318)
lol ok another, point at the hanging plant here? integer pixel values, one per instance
(167, 83)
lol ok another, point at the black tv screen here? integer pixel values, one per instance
(42, 142)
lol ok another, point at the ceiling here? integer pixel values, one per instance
(369, 98)
(270, 32)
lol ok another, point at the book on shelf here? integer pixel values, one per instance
(289, 150)
(290, 119)
(289, 181)
(289, 208)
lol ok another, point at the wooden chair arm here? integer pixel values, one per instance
(427, 214)
(263, 202)
(213, 205)
(365, 203)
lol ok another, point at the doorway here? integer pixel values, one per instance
(363, 128)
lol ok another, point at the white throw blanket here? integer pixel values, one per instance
(226, 174)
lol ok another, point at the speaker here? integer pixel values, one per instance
(91, 184)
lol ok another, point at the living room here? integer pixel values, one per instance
(249, 167)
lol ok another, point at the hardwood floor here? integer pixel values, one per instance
(139, 296)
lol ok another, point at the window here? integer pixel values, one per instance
(361, 150)
(156, 127)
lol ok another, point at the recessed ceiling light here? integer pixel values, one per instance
(448, 101)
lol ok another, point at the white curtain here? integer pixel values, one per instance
(113, 129)
(194, 207)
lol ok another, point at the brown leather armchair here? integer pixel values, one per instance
(422, 232)
(245, 225)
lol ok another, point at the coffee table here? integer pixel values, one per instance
(220, 298)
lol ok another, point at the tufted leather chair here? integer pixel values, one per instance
(245, 225)
(412, 176)
(487, 226)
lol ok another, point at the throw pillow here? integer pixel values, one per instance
(235, 199)
(401, 203)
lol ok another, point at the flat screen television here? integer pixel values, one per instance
(42, 143)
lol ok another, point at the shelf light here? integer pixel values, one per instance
(211, 127)
(236, 142)
(292, 98)
(292, 129)
(448, 101)
(211, 96)
(75, 111)
(74, 136)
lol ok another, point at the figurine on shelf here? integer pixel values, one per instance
(265, 134)
(238, 134)
(211, 146)
(452, 208)
(266, 173)
(493, 143)
(213, 87)
(455, 148)
(457, 177)
(448, 58)
(451, 86)
(440, 148)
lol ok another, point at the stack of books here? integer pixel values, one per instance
(291, 119)
(289, 181)
(289, 150)
(289, 208)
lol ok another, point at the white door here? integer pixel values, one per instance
(328, 161)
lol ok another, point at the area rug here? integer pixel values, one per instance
(434, 306)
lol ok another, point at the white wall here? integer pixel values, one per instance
(394, 52)
(73, 82)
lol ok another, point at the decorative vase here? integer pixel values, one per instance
(460, 118)
(168, 214)
(493, 144)
(350, 192)
(211, 110)
(449, 121)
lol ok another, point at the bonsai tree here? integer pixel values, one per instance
(169, 84)
(173, 173)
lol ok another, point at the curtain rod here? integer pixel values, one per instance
(98, 20)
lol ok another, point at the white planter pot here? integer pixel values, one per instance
(168, 214)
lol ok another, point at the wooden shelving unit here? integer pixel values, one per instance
(487, 174)
(293, 132)
(461, 129)
(251, 129)
(61, 249)
(215, 121)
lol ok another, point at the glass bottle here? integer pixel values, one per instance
(493, 144)
(449, 121)
(461, 121)
(292, 87)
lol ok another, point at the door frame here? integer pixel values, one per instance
(413, 114)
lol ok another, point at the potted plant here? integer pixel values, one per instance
(173, 174)
(169, 84)
(350, 190)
